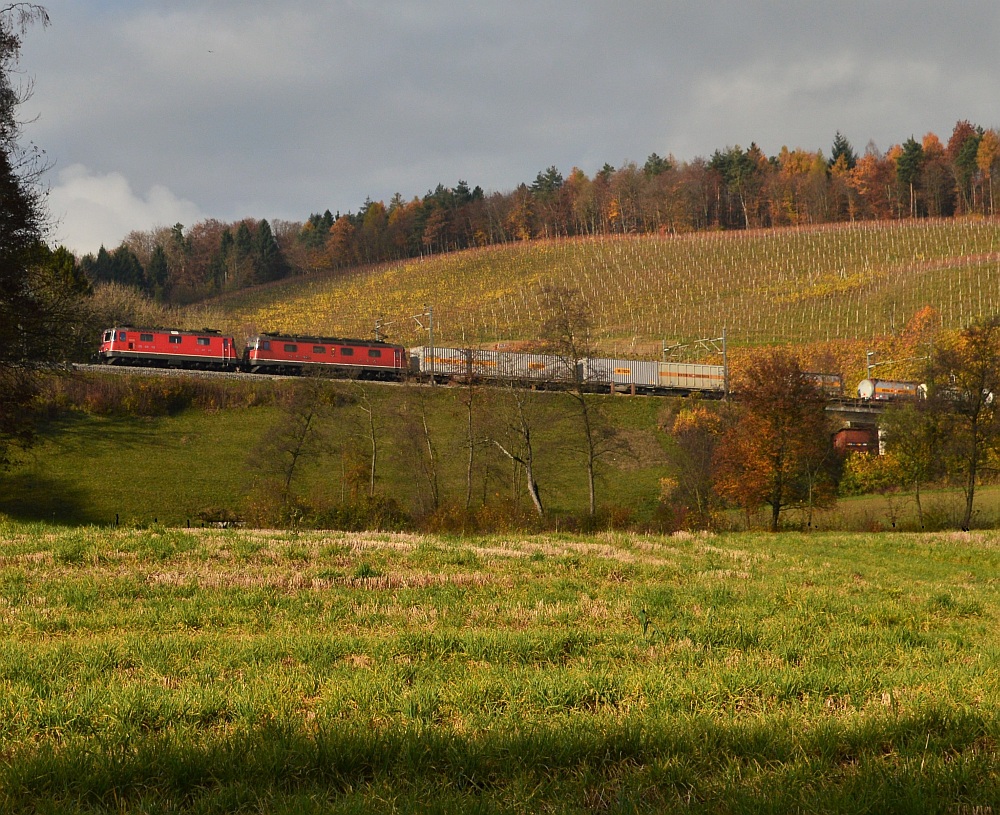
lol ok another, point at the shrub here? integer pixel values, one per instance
(366, 513)
(123, 395)
(866, 473)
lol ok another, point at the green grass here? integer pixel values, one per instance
(942, 509)
(87, 469)
(170, 469)
(219, 671)
(772, 286)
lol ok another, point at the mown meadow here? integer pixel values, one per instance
(212, 671)
(802, 285)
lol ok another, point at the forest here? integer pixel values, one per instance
(733, 189)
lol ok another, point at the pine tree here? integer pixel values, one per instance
(842, 148)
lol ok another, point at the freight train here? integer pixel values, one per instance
(292, 354)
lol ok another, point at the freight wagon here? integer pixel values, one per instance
(596, 374)
(653, 377)
(888, 390)
(468, 364)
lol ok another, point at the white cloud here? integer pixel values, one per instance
(90, 209)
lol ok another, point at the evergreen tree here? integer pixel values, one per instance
(219, 268)
(39, 296)
(121, 266)
(270, 262)
(842, 148)
(126, 268)
(908, 167)
(158, 273)
(97, 268)
(655, 165)
(547, 183)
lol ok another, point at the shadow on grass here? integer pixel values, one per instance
(927, 762)
(56, 478)
(27, 496)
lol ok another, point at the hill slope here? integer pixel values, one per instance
(791, 285)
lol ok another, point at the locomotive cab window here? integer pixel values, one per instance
(175, 340)
(291, 347)
(145, 338)
(121, 336)
(374, 352)
(347, 352)
(265, 345)
(204, 341)
(109, 335)
(319, 349)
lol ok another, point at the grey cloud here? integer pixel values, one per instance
(277, 110)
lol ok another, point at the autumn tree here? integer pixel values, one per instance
(341, 249)
(694, 431)
(936, 182)
(873, 180)
(963, 385)
(798, 190)
(988, 162)
(777, 450)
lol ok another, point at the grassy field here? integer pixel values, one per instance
(175, 469)
(221, 671)
(169, 469)
(842, 282)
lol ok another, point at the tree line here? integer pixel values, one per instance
(734, 188)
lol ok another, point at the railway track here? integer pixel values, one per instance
(139, 370)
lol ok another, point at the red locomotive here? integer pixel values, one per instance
(293, 354)
(206, 349)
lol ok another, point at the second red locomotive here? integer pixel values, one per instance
(294, 354)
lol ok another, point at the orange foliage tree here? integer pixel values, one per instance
(777, 451)
(695, 432)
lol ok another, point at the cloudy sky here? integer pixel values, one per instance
(154, 112)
